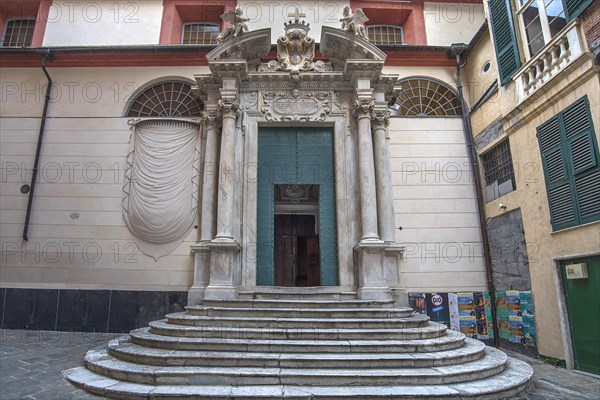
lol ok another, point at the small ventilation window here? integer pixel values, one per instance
(425, 97)
(200, 33)
(385, 35)
(166, 99)
(18, 33)
(486, 67)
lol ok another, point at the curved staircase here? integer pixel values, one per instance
(298, 348)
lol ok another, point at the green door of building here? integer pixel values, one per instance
(583, 302)
(296, 158)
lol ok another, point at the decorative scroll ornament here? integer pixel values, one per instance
(354, 22)
(296, 106)
(295, 50)
(237, 27)
(363, 107)
(380, 117)
(229, 107)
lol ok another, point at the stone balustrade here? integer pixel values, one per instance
(560, 52)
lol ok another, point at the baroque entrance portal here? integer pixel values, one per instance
(302, 195)
(296, 216)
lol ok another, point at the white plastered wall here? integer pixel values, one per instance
(104, 22)
(435, 204)
(447, 23)
(77, 237)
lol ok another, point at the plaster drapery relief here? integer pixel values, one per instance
(296, 106)
(160, 192)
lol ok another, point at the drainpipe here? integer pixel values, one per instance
(46, 57)
(456, 50)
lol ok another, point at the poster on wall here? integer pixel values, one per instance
(502, 316)
(527, 313)
(438, 308)
(488, 314)
(417, 302)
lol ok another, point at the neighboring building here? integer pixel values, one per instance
(536, 130)
(168, 172)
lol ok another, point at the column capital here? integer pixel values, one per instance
(380, 118)
(363, 106)
(211, 118)
(229, 107)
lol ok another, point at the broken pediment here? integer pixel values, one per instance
(340, 46)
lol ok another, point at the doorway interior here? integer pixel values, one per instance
(296, 236)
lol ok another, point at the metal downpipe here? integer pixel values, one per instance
(47, 57)
(456, 51)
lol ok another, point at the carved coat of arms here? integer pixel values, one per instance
(295, 50)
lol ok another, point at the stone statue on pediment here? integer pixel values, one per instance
(237, 27)
(354, 22)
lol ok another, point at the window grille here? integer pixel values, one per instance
(200, 33)
(424, 97)
(385, 35)
(166, 99)
(497, 165)
(18, 33)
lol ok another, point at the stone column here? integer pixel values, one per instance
(210, 179)
(383, 173)
(223, 248)
(363, 107)
(228, 106)
(370, 249)
(208, 208)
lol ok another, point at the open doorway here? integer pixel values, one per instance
(295, 236)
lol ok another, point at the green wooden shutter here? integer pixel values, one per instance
(503, 29)
(574, 8)
(583, 154)
(571, 166)
(558, 186)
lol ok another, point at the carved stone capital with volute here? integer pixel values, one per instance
(380, 119)
(229, 107)
(212, 118)
(363, 107)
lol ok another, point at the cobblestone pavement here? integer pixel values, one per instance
(31, 362)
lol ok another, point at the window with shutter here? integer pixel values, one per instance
(504, 39)
(570, 160)
(576, 7)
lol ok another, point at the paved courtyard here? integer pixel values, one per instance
(31, 361)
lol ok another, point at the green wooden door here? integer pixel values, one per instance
(583, 302)
(296, 156)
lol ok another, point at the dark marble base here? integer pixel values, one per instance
(85, 310)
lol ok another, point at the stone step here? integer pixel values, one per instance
(146, 337)
(184, 318)
(101, 362)
(127, 351)
(313, 313)
(507, 384)
(307, 293)
(298, 303)
(266, 331)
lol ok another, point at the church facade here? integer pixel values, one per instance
(155, 155)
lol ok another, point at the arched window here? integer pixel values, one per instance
(385, 35)
(425, 97)
(200, 33)
(166, 99)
